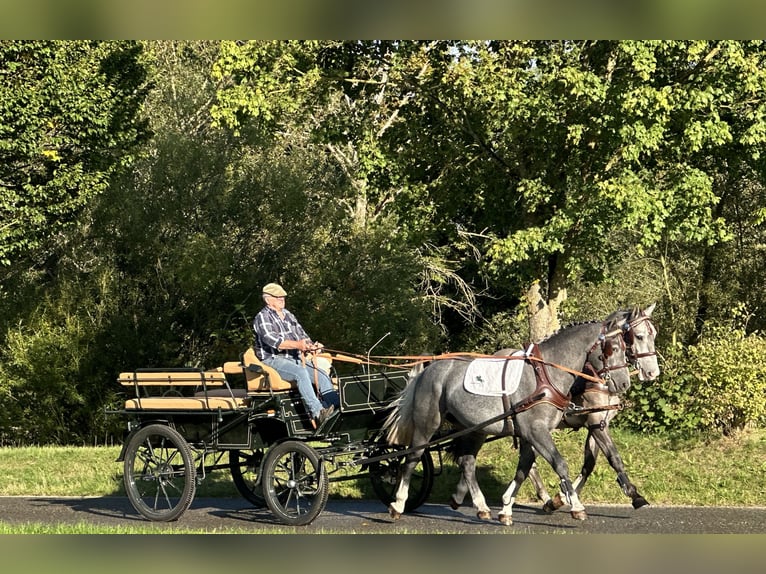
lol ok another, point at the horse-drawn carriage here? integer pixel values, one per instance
(185, 423)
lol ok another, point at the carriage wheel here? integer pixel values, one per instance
(385, 475)
(160, 478)
(245, 470)
(295, 483)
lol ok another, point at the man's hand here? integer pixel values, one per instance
(313, 347)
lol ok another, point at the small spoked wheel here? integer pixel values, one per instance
(385, 474)
(295, 483)
(159, 473)
(245, 467)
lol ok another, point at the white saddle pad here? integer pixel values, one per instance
(494, 377)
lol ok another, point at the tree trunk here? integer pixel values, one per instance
(542, 314)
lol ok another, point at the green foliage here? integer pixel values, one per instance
(408, 187)
(664, 405)
(52, 389)
(728, 372)
(67, 122)
(503, 330)
(716, 386)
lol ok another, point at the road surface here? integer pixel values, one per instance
(370, 517)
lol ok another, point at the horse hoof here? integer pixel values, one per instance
(579, 514)
(505, 519)
(553, 504)
(640, 502)
(484, 515)
(452, 504)
(395, 514)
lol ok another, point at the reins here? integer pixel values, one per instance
(595, 377)
(418, 359)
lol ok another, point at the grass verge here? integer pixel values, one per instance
(665, 470)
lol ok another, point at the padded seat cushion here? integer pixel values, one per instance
(185, 403)
(263, 378)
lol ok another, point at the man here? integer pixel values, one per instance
(280, 341)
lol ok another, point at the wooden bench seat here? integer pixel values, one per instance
(186, 403)
(213, 387)
(173, 378)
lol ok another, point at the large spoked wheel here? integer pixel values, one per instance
(160, 478)
(385, 475)
(295, 483)
(246, 473)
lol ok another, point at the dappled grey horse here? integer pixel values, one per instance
(594, 405)
(529, 411)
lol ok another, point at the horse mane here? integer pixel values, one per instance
(569, 326)
(610, 321)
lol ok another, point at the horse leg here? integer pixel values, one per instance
(526, 460)
(466, 450)
(589, 463)
(421, 434)
(540, 490)
(396, 508)
(603, 439)
(457, 450)
(546, 448)
(590, 454)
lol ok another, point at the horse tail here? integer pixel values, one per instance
(399, 424)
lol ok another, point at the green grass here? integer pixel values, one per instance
(724, 472)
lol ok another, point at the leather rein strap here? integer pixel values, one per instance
(418, 359)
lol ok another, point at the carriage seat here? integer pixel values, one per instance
(212, 390)
(213, 396)
(261, 378)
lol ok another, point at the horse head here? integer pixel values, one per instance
(639, 333)
(608, 355)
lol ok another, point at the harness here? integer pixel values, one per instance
(545, 392)
(589, 386)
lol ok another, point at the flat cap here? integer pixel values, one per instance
(275, 290)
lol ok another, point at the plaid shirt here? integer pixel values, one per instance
(270, 330)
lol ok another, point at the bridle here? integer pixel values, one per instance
(604, 340)
(629, 338)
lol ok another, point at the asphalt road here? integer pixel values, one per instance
(371, 517)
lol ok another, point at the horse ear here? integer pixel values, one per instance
(649, 309)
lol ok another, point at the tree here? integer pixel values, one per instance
(68, 121)
(554, 157)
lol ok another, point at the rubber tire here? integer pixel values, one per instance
(384, 475)
(294, 481)
(159, 483)
(245, 476)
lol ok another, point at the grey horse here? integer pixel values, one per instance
(594, 405)
(530, 412)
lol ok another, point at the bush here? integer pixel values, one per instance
(51, 388)
(728, 370)
(716, 386)
(663, 405)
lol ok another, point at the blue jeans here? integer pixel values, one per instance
(293, 370)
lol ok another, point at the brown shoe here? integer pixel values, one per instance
(324, 414)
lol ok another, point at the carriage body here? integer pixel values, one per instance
(181, 424)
